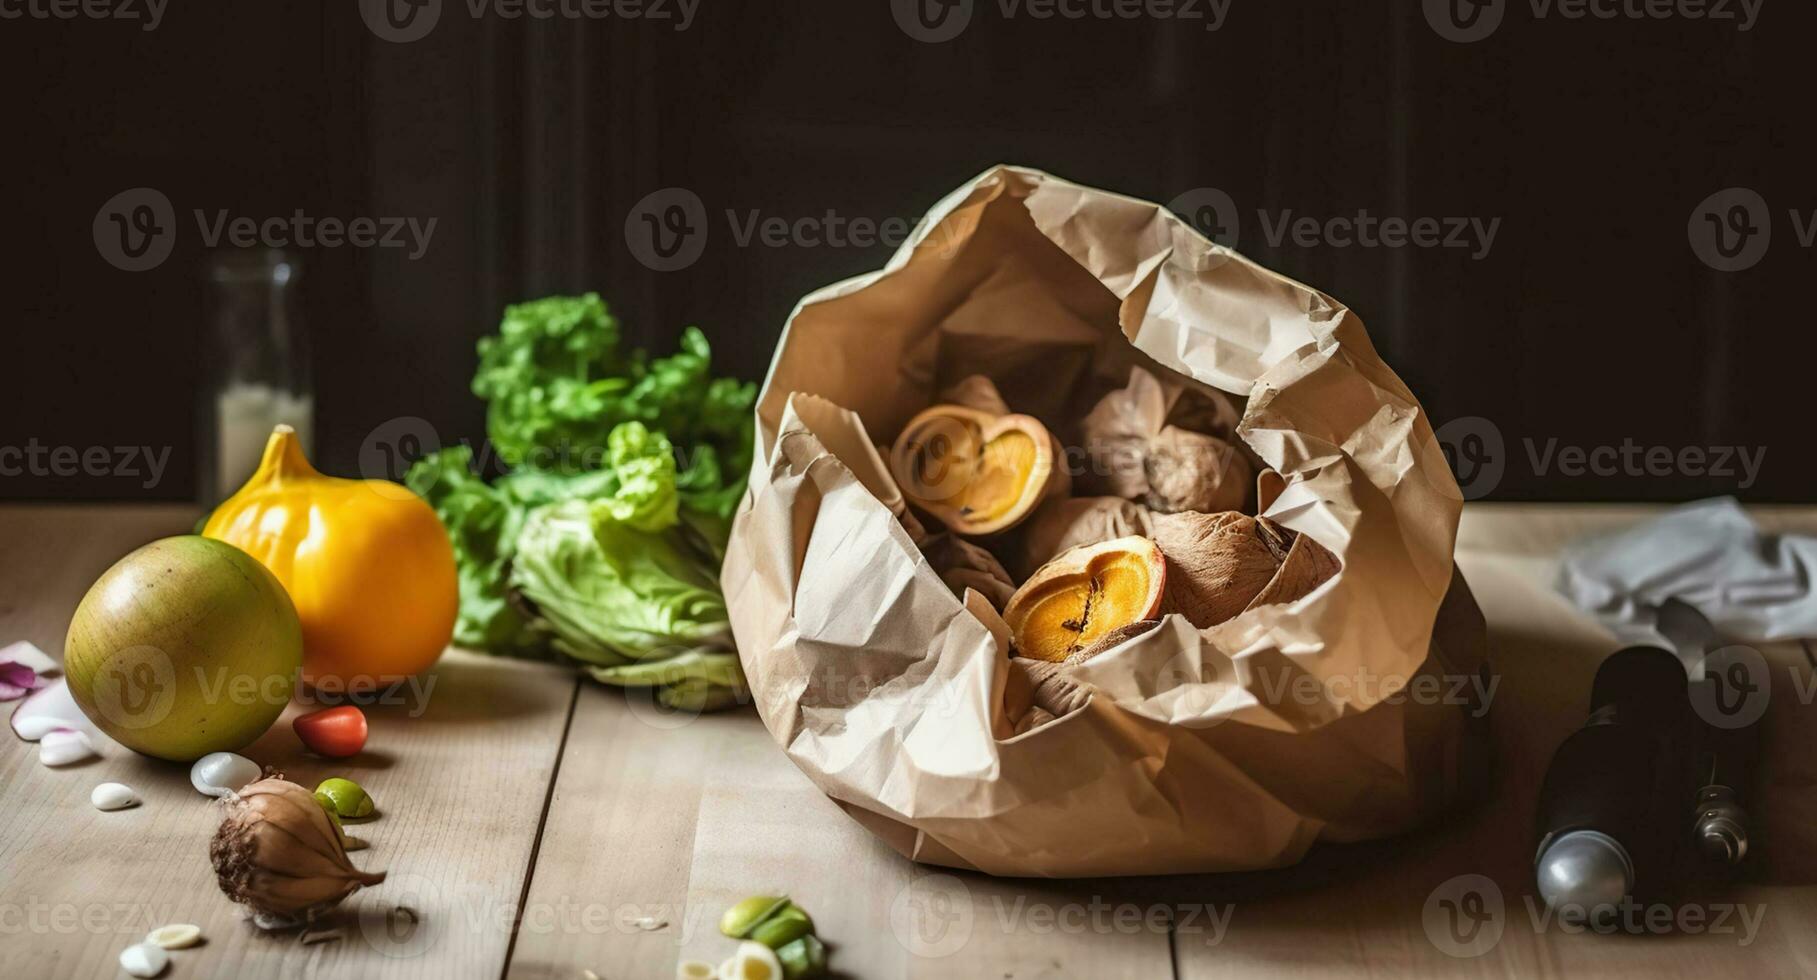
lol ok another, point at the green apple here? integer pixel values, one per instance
(186, 646)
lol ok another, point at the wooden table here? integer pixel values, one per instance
(541, 826)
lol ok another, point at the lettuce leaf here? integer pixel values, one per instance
(557, 384)
(613, 593)
(603, 540)
(482, 522)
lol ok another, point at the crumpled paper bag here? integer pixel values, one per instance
(1231, 748)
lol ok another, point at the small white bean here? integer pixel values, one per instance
(113, 796)
(144, 960)
(60, 748)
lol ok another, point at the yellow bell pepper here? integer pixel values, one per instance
(367, 564)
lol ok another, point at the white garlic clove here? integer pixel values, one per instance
(60, 748)
(49, 708)
(221, 773)
(113, 796)
(34, 727)
(144, 960)
(177, 935)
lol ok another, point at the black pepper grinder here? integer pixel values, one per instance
(1613, 804)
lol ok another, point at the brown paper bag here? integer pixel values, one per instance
(1351, 713)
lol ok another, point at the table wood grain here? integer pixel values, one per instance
(541, 826)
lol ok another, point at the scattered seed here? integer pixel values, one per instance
(649, 923)
(144, 960)
(352, 843)
(312, 936)
(221, 773)
(113, 796)
(399, 917)
(62, 747)
(180, 935)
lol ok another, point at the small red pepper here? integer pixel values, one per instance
(333, 732)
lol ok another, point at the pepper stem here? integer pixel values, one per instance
(284, 457)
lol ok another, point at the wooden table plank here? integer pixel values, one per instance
(610, 888)
(676, 821)
(459, 767)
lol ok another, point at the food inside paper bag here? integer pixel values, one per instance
(1079, 545)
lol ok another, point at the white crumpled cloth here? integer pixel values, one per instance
(1754, 587)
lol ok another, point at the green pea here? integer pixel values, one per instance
(784, 926)
(803, 959)
(344, 798)
(740, 919)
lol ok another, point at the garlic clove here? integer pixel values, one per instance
(1220, 565)
(49, 708)
(221, 773)
(177, 935)
(113, 796)
(144, 960)
(62, 747)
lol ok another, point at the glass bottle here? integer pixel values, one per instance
(257, 367)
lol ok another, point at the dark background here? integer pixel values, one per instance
(1590, 321)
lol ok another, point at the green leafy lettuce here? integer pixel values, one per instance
(556, 385)
(603, 540)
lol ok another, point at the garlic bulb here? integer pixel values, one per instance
(278, 852)
(1219, 565)
(1166, 445)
